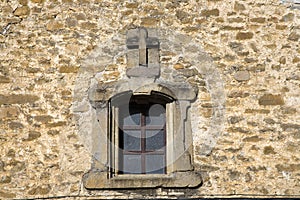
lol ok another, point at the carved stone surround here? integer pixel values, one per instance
(143, 78)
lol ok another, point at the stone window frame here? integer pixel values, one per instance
(183, 174)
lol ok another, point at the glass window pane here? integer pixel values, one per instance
(133, 119)
(132, 140)
(155, 139)
(132, 164)
(130, 115)
(155, 164)
(156, 115)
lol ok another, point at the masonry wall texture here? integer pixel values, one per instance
(245, 62)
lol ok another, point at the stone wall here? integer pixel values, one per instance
(51, 52)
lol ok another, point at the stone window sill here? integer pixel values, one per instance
(99, 180)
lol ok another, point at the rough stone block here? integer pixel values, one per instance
(88, 25)
(288, 17)
(68, 69)
(239, 7)
(1, 166)
(244, 35)
(258, 20)
(32, 135)
(54, 25)
(288, 167)
(7, 195)
(43, 118)
(212, 12)
(190, 72)
(40, 190)
(252, 139)
(289, 126)
(53, 132)
(23, 2)
(270, 99)
(237, 94)
(257, 111)
(17, 99)
(269, 150)
(232, 28)
(5, 179)
(149, 22)
(294, 36)
(178, 66)
(37, 1)
(22, 11)
(131, 5)
(4, 79)
(56, 124)
(242, 76)
(9, 112)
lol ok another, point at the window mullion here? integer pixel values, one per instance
(143, 142)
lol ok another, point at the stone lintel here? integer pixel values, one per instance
(99, 180)
(104, 91)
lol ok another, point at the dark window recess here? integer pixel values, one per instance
(142, 138)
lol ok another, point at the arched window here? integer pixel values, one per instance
(139, 130)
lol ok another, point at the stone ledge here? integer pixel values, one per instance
(99, 180)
